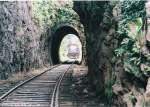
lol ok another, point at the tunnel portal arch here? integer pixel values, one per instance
(57, 37)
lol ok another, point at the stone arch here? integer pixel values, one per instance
(58, 34)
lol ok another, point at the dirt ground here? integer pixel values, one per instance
(82, 90)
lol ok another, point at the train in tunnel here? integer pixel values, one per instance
(70, 49)
(73, 53)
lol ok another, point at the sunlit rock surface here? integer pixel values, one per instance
(19, 39)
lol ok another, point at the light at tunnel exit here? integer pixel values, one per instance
(70, 49)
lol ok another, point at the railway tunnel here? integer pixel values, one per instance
(23, 46)
(58, 35)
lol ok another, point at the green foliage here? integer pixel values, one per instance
(131, 35)
(131, 9)
(48, 13)
(44, 12)
(108, 88)
(132, 98)
(66, 14)
(147, 69)
(130, 66)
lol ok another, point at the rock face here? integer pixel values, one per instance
(25, 44)
(19, 39)
(99, 24)
(100, 20)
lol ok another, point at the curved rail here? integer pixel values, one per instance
(55, 95)
(21, 84)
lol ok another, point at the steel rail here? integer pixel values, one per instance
(55, 95)
(24, 82)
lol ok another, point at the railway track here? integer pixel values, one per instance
(39, 91)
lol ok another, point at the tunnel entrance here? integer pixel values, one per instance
(57, 38)
(70, 49)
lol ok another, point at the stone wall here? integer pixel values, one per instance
(20, 47)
